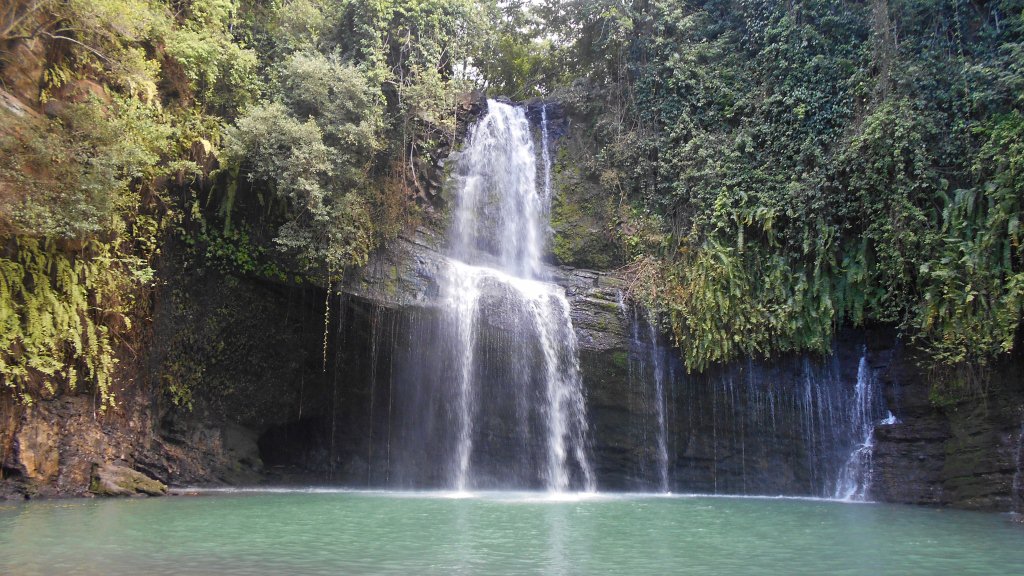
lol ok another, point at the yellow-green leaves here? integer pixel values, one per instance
(54, 307)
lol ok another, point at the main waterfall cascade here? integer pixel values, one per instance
(507, 407)
(485, 391)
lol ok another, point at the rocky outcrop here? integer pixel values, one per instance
(407, 275)
(404, 275)
(35, 454)
(51, 448)
(958, 436)
(190, 452)
(56, 444)
(909, 456)
(115, 480)
(597, 314)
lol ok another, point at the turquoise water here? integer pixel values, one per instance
(500, 533)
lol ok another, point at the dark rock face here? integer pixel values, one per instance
(191, 452)
(406, 275)
(735, 429)
(910, 456)
(54, 445)
(965, 452)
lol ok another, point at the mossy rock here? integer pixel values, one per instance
(583, 216)
(114, 480)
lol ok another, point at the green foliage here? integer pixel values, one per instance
(582, 210)
(301, 24)
(232, 252)
(809, 170)
(59, 315)
(524, 69)
(360, 97)
(81, 192)
(71, 177)
(221, 72)
(98, 38)
(973, 294)
(317, 166)
(594, 36)
(519, 57)
(890, 179)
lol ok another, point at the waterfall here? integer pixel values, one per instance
(506, 331)
(855, 477)
(797, 425)
(1016, 497)
(660, 408)
(649, 368)
(463, 296)
(485, 389)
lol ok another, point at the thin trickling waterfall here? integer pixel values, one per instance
(855, 478)
(496, 274)
(798, 425)
(660, 409)
(1016, 497)
(649, 368)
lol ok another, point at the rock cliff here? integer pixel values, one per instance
(296, 385)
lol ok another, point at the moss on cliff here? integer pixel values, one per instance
(583, 212)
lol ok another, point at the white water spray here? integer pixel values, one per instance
(855, 478)
(497, 246)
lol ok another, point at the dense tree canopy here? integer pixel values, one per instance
(769, 171)
(813, 164)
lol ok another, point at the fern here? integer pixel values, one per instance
(51, 306)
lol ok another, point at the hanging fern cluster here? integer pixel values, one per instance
(815, 165)
(58, 314)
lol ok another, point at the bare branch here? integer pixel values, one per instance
(73, 41)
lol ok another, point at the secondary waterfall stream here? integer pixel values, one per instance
(747, 428)
(855, 477)
(650, 368)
